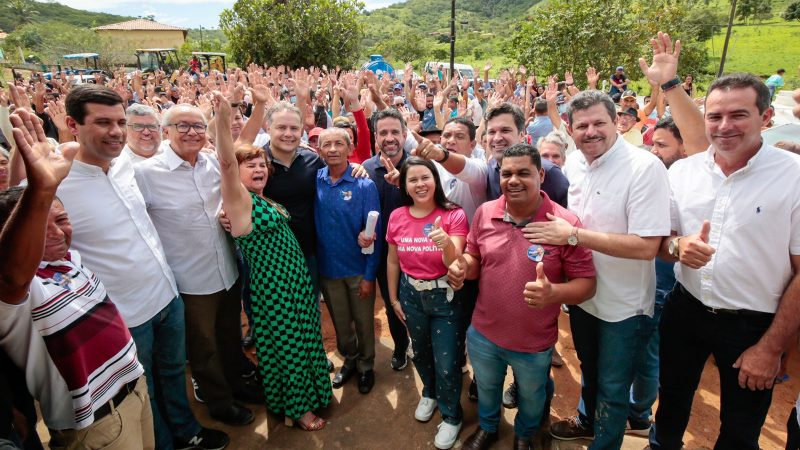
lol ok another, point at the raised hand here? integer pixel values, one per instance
(392, 174)
(457, 273)
(426, 149)
(44, 167)
(538, 293)
(665, 59)
(58, 114)
(593, 77)
(488, 66)
(694, 249)
(568, 78)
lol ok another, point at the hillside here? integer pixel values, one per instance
(56, 12)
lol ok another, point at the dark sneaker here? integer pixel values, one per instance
(196, 388)
(473, 391)
(236, 415)
(510, 396)
(399, 360)
(330, 366)
(570, 429)
(206, 439)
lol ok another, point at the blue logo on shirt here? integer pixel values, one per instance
(536, 253)
(426, 230)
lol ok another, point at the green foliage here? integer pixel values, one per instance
(51, 43)
(792, 11)
(294, 33)
(22, 12)
(574, 34)
(754, 9)
(405, 47)
(56, 12)
(703, 22)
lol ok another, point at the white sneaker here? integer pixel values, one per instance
(446, 437)
(425, 409)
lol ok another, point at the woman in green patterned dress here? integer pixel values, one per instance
(291, 358)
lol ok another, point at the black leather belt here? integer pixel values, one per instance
(117, 399)
(723, 311)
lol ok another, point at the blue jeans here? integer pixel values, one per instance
(435, 328)
(531, 372)
(644, 389)
(161, 348)
(608, 352)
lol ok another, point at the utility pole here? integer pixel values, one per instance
(452, 38)
(727, 39)
(201, 38)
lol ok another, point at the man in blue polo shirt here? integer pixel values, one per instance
(347, 276)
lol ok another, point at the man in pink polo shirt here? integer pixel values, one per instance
(516, 319)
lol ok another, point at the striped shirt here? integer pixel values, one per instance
(72, 342)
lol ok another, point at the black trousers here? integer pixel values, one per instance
(689, 334)
(396, 327)
(792, 432)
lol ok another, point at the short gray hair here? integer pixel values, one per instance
(587, 99)
(140, 110)
(556, 138)
(166, 118)
(335, 130)
(281, 107)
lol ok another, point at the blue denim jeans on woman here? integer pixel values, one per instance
(608, 352)
(161, 348)
(434, 324)
(531, 372)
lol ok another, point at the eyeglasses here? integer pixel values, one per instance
(138, 127)
(199, 128)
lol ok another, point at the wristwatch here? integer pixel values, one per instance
(573, 237)
(446, 155)
(670, 84)
(674, 249)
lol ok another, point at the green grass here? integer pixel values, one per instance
(761, 49)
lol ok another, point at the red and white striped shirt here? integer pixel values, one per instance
(72, 342)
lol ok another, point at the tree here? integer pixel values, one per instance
(406, 47)
(23, 11)
(754, 9)
(574, 34)
(792, 11)
(294, 33)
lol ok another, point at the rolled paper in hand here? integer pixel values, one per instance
(369, 231)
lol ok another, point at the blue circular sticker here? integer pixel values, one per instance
(426, 230)
(536, 253)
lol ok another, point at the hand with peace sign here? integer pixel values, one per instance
(392, 174)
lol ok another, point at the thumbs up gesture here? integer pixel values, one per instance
(694, 249)
(539, 293)
(457, 273)
(439, 236)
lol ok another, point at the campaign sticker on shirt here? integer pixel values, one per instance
(426, 230)
(453, 183)
(63, 281)
(347, 195)
(536, 253)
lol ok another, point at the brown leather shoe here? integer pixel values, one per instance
(570, 429)
(522, 443)
(480, 439)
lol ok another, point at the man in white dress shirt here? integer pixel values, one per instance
(181, 188)
(621, 194)
(735, 217)
(114, 234)
(144, 133)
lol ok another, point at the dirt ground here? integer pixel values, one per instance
(384, 418)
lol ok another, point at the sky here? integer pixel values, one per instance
(203, 13)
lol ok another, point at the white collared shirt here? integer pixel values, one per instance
(755, 226)
(625, 191)
(136, 159)
(468, 188)
(114, 234)
(184, 203)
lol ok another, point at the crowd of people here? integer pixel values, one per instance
(144, 215)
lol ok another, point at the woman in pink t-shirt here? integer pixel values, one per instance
(425, 236)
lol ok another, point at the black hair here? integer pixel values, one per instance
(9, 199)
(508, 108)
(540, 106)
(82, 94)
(524, 150)
(386, 114)
(743, 81)
(345, 124)
(587, 99)
(467, 123)
(667, 123)
(438, 193)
